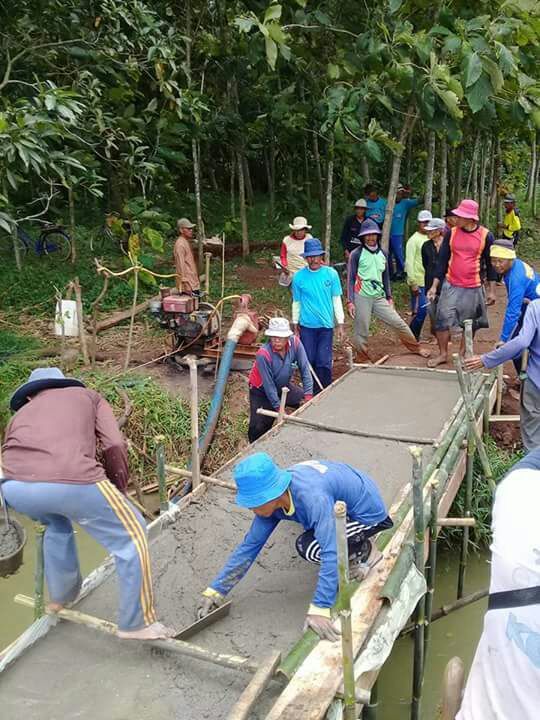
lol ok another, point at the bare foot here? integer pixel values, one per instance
(438, 360)
(155, 631)
(54, 607)
(424, 353)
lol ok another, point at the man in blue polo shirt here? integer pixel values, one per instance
(376, 205)
(304, 493)
(397, 232)
(317, 292)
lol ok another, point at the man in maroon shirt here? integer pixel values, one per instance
(52, 475)
(463, 259)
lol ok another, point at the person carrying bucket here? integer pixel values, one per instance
(304, 493)
(52, 475)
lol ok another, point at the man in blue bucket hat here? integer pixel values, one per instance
(316, 309)
(304, 493)
(51, 474)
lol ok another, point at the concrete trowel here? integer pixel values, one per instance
(217, 614)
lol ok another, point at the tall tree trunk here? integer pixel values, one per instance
(458, 175)
(430, 170)
(16, 247)
(483, 191)
(491, 179)
(364, 169)
(307, 178)
(498, 161)
(535, 175)
(195, 151)
(71, 204)
(212, 176)
(233, 183)
(328, 199)
(242, 199)
(318, 169)
(250, 196)
(443, 177)
(394, 178)
(270, 186)
(472, 179)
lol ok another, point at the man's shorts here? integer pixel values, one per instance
(457, 304)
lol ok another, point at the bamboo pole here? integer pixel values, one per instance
(419, 544)
(223, 266)
(247, 700)
(469, 346)
(432, 560)
(449, 608)
(370, 708)
(472, 424)
(95, 308)
(350, 360)
(80, 317)
(194, 397)
(283, 403)
(181, 647)
(132, 316)
(500, 385)
(344, 601)
(160, 467)
(39, 573)
(343, 430)
(469, 474)
(468, 522)
(486, 417)
(205, 478)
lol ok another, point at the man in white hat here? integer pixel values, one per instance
(415, 272)
(187, 275)
(51, 474)
(272, 371)
(292, 245)
(351, 227)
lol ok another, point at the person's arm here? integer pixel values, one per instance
(337, 292)
(242, 558)
(410, 252)
(283, 255)
(264, 365)
(515, 346)
(516, 293)
(443, 259)
(491, 275)
(303, 366)
(425, 257)
(113, 445)
(352, 272)
(324, 528)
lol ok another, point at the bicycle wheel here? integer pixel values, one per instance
(55, 242)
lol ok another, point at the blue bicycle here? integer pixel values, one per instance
(52, 239)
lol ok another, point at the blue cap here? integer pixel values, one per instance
(312, 248)
(369, 227)
(259, 480)
(41, 379)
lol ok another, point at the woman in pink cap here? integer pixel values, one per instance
(463, 263)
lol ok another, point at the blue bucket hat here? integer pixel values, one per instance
(41, 379)
(369, 227)
(312, 248)
(259, 480)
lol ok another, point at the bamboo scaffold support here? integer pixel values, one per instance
(194, 397)
(39, 573)
(370, 708)
(469, 477)
(432, 558)
(160, 469)
(419, 544)
(344, 601)
(283, 403)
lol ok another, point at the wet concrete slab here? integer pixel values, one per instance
(76, 673)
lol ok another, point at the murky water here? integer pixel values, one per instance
(456, 634)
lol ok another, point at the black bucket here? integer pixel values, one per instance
(11, 562)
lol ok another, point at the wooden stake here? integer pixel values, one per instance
(160, 465)
(181, 647)
(500, 384)
(419, 544)
(344, 603)
(194, 399)
(350, 359)
(283, 403)
(343, 430)
(467, 522)
(247, 700)
(80, 318)
(39, 573)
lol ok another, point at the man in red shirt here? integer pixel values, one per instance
(463, 261)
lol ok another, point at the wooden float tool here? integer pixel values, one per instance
(212, 617)
(172, 645)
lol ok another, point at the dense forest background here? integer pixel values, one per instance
(156, 109)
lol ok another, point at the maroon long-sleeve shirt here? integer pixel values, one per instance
(53, 438)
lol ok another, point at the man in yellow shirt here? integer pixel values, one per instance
(511, 224)
(415, 273)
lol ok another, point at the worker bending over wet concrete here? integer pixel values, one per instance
(52, 475)
(304, 493)
(504, 681)
(272, 371)
(369, 292)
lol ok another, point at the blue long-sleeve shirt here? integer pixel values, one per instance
(272, 371)
(376, 209)
(522, 282)
(399, 216)
(527, 338)
(315, 487)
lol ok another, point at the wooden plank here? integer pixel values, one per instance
(504, 418)
(251, 694)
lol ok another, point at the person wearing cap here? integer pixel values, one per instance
(292, 246)
(404, 203)
(316, 309)
(528, 339)
(51, 474)
(272, 371)
(415, 273)
(369, 292)
(435, 230)
(449, 219)
(376, 205)
(522, 285)
(511, 224)
(352, 226)
(304, 493)
(187, 275)
(463, 257)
